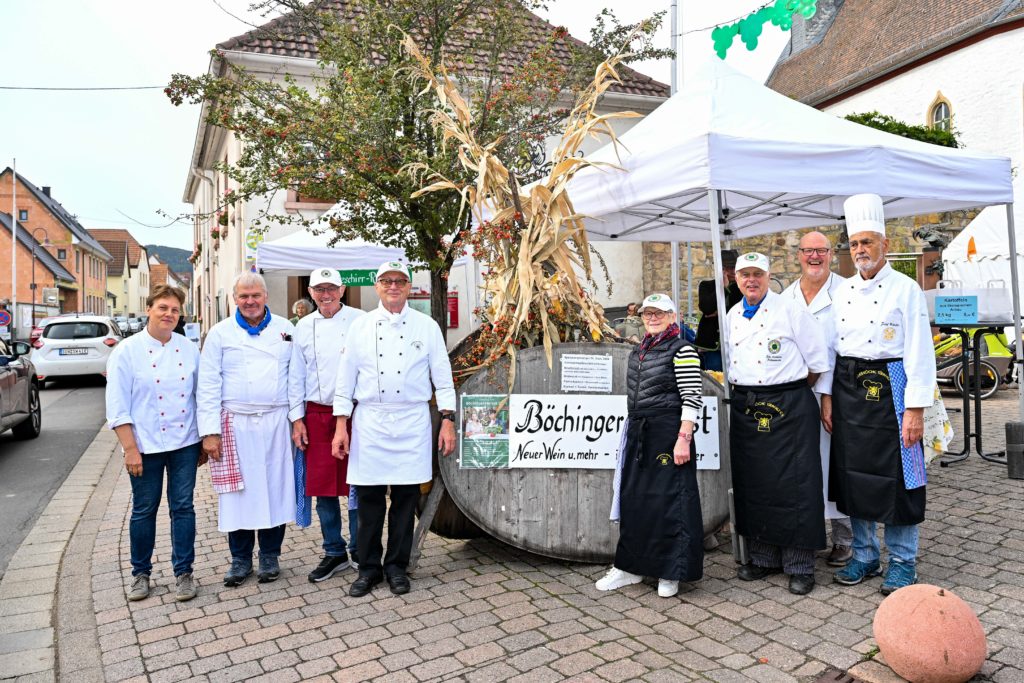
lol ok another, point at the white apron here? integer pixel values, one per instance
(390, 444)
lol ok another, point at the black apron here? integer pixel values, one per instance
(776, 465)
(866, 468)
(661, 531)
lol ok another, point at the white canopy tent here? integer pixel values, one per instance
(991, 258)
(728, 156)
(300, 252)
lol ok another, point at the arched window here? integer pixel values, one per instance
(941, 118)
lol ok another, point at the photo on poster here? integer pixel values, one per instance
(484, 431)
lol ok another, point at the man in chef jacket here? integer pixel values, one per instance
(395, 359)
(244, 419)
(776, 353)
(316, 352)
(884, 379)
(814, 289)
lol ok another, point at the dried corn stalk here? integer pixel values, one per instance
(533, 243)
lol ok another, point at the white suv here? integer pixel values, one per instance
(78, 345)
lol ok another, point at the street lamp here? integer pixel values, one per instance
(35, 243)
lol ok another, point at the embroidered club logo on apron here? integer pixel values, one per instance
(664, 459)
(874, 390)
(764, 412)
(764, 421)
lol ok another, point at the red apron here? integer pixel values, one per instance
(325, 474)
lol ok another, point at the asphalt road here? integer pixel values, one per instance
(32, 471)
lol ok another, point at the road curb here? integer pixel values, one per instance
(29, 587)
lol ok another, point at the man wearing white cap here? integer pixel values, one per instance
(776, 353)
(395, 359)
(316, 353)
(884, 379)
(815, 289)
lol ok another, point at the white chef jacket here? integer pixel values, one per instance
(152, 387)
(316, 353)
(243, 372)
(391, 365)
(887, 317)
(821, 308)
(781, 343)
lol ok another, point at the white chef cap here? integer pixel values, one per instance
(864, 214)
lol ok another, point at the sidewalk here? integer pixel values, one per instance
(482, 611)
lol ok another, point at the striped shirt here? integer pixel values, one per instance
(686, 365)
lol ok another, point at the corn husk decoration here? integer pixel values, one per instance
(533, 243)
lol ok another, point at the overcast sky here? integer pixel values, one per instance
(114, 158)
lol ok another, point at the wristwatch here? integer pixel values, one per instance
(448, 415)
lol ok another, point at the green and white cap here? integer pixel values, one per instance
(660, 302)
(392, 267)
(325, 276)
(753, 259)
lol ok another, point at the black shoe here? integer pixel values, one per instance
(399, 583)
(238, 572)
(363, 585)
(269, 570)
(328, 567)
(801, 584)
(752, 572)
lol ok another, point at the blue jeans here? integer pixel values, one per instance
(181, 468)
(328, 509)
(242, 541)
(901, 540)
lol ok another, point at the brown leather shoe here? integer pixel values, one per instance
(840, 556)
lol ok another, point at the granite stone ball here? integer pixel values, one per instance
(928, 635)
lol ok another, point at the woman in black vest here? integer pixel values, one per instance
(661, 530)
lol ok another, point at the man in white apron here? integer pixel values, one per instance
(884, 379)
(394, 360)
(244, 419)
(316, 352)
(814, 289)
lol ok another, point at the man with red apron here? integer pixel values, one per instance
(395, 359)
(884, 379)
(319, 339)
(776, 352)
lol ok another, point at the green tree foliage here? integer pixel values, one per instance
(347, 135)
(933, 136)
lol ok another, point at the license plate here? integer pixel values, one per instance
(74, 352)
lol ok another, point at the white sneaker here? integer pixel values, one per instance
(616, 578)
(666, 588)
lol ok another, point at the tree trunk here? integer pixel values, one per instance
(439, 300)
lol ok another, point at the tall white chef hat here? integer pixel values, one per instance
(864, 214)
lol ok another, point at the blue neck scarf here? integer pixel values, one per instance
(748, 310)
(253, 330)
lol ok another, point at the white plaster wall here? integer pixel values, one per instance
(984, 84)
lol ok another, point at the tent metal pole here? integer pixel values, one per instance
(675, 280)
(716, 248)
(1015, 297)
(689, 279)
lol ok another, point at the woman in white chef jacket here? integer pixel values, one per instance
(151, 406)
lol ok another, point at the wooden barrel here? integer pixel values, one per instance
(562, 513)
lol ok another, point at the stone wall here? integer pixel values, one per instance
(780, 248)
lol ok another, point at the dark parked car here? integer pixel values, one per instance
(20, 410)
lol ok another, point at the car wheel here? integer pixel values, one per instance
(30, 428)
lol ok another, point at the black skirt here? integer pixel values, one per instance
(866, 468)
(776, 465)
(661, 531)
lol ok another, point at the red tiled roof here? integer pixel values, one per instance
(118, 249)
(283, 37)
(120, 235)
(157, 274)
(871, 37)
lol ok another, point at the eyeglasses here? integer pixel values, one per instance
(325, 290)
(393, 282)
(814, 252)
(655, 314)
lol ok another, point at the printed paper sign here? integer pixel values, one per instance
(956, 310)
(484, 427)
(565, 430)
(586, 373)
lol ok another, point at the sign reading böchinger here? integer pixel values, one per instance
(565, 430)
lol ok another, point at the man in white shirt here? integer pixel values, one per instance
(394, 361)
(814, 289)
(244, 418)
(316, 352)
(776, 353)
(884, 379)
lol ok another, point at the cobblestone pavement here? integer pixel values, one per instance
(482, 611)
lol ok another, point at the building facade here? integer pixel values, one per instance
(136, 279)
